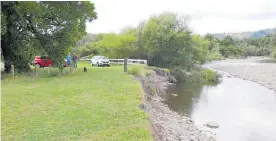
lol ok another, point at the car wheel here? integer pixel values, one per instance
(37, 65)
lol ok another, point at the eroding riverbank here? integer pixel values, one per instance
(166, 124)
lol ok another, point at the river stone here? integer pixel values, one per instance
(212, 125)
(173, 94)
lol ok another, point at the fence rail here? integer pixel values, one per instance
(121, 61)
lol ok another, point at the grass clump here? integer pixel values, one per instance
(139, 70)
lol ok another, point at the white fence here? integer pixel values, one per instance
(121, 61)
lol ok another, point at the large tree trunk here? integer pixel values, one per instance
(5, 54)
(10, 43)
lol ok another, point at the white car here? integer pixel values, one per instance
(99, 61)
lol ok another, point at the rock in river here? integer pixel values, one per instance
(174, 94)
(212, 125)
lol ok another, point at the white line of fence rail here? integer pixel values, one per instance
(121, 61)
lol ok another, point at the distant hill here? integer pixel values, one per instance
(249, 34)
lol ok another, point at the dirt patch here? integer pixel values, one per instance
(166, 124)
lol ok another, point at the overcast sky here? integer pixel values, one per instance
(206, 16)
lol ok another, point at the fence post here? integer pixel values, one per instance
(125, 65)
(49, 70)
(12, 70)
(35, 72)
(71, 64)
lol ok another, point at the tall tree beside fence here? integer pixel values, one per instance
(48, 27)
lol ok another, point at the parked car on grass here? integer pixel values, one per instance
(44, 61)
(100, 61)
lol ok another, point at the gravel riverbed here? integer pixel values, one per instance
(261, 70)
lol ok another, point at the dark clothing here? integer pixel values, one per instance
(75, 58)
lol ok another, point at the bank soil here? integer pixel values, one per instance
(166, 124)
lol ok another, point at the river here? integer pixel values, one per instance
(244, 110)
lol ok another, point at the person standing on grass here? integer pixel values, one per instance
(68, 59)
(75, 59)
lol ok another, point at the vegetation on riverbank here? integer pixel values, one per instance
(166, 41)
(102, 104)
(197, 75)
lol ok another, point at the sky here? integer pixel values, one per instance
(205, 16)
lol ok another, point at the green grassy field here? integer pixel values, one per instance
(101, 104)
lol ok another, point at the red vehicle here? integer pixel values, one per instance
(44, 61)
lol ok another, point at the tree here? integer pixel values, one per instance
(213, 41)
(165, 41)
(41, 27)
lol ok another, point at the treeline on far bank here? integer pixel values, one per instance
(166, 41)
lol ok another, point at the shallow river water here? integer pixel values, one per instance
(244, 110)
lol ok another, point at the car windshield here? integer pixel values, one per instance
(102, 57)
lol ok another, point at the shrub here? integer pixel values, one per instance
(196, 75)
(136, 70)
(214, 56)
(179, 73)
(210, 76)
(147, 72)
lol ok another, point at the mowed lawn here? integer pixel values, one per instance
(101, 104)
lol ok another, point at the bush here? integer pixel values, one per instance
(209, 76)
(179, 74)
(136, 70)
(196, 75)
(214, 56)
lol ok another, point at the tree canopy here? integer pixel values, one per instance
(42, 27)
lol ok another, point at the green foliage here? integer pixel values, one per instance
(180, 74)
(196, 75)
(214, 56)
(110, 45)
(210, 76)
(257, 46)
(165, 41)
(136, 70)
(42, 27)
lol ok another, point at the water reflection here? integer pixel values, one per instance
(245, 110)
